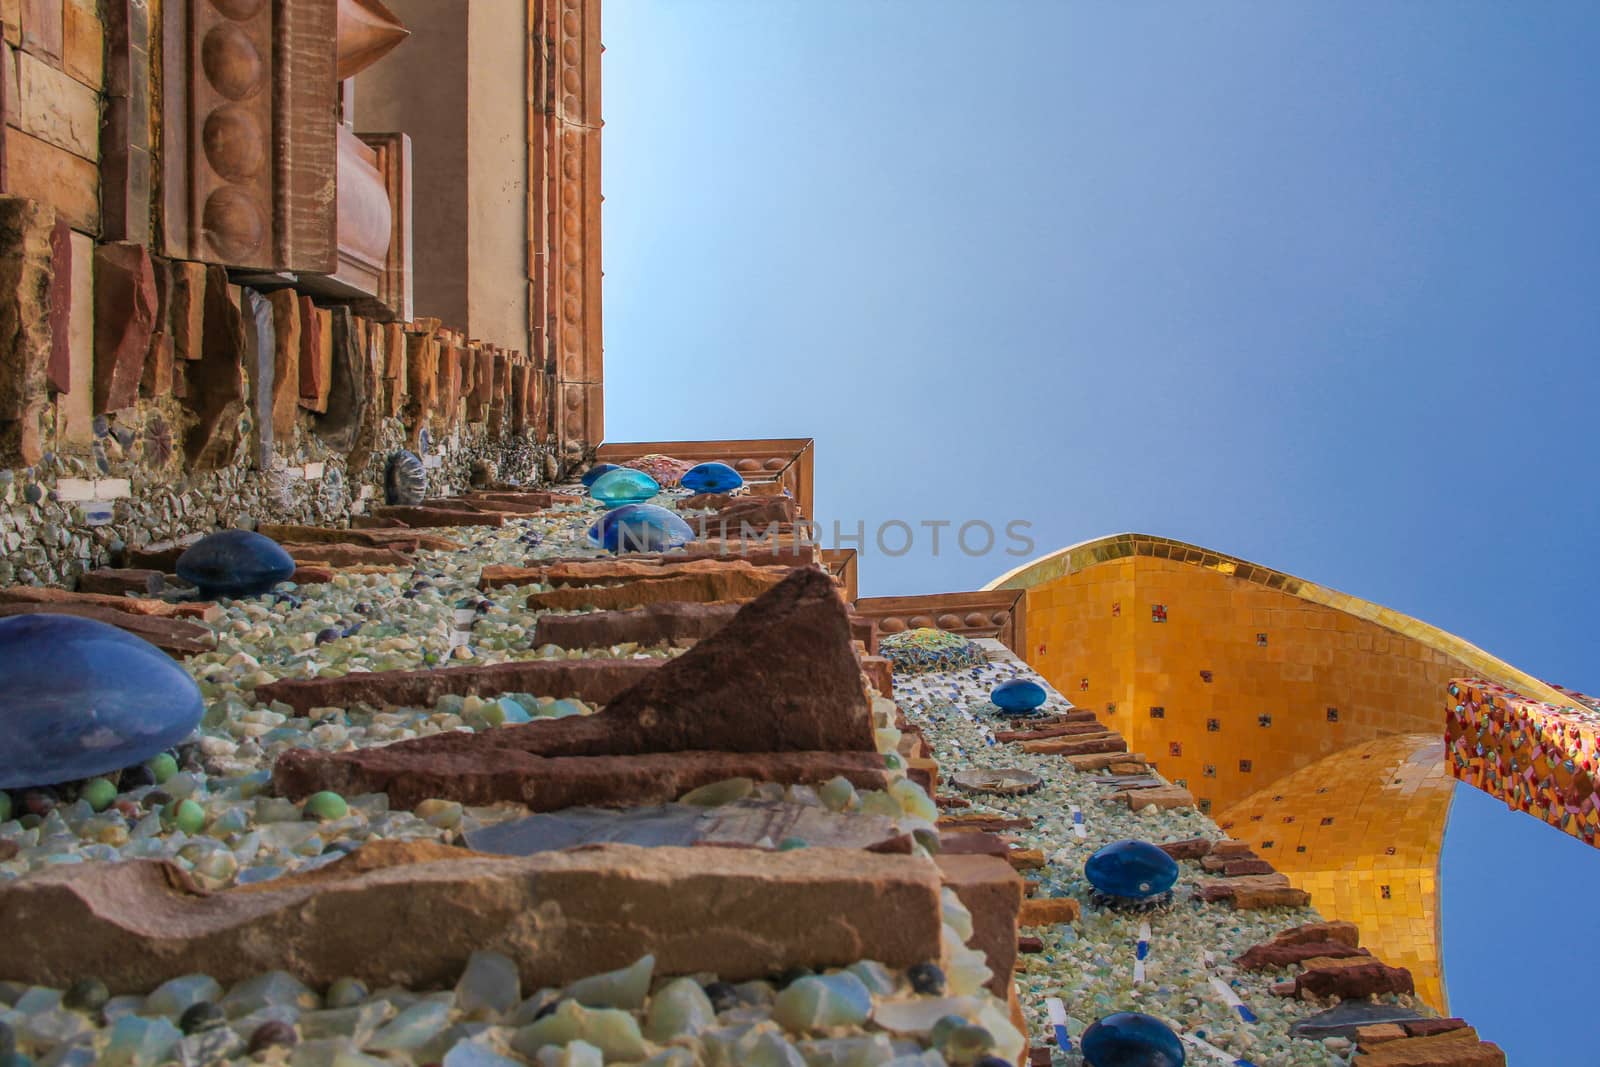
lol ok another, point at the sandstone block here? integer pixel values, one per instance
(992, 892)
(176, 637)
(124, 322)
(214, 383)
(59, 369)
(1164, 797)
(708, 583)
(1080, 730)
(1191, 848)
(1267, 955)
(25, 316)
(347, 423)
(43, 594)
(57, 108)
(188, 309)
(590, 680)
(1344, 933)
(482, 775)
(1073, 746)
(1095, 761)
(285, 360)
(1355, 977)
(137, 924)
(424, 517)
(1454, 1048)
(118, 581)
(334, 555)
(65, 181)
(1048, 911)
(670, 623)
(316, 355)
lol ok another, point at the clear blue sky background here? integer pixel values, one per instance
(1313, 284)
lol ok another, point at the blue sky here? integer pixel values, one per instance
(1313, 284)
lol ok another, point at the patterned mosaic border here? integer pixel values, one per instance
(1537, 757)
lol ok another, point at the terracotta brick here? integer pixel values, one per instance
(41, 171)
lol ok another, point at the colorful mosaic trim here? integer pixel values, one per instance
(924, 649)
(1537, 757)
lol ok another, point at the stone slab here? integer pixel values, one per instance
(670, 622)
(748, 824)
(135, 925)
(176, 637)
(992, 892)
(596, 681)
(1072, 746)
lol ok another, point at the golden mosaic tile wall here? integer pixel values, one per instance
(1360, 831)
(1227, 674)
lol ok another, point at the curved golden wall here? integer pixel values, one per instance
(1306, 720)
(1359, 830)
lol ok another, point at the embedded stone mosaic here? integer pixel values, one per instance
(926, 649)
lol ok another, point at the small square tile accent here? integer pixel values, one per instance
(1158, 713)
(1213, 725)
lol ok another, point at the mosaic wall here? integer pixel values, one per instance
(1306, 720)
(1228, 674)
(72, 513)
(1360, 831)
(1538, 757)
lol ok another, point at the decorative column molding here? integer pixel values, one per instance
(564, 212)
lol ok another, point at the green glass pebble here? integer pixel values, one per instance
(178, 995)
(821, 1001)
(838, 794)
(140, 1042)
(163, 766)
(413, 1028)
(679, 1007)
(789, 844)
(98, 793)
(615, 1033)
(326, 805)
(717, 794)
(188, 816)
(625, 988)
(490, 986)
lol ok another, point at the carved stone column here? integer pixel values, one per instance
(564, 213)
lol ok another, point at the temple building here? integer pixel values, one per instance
(324, 277)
